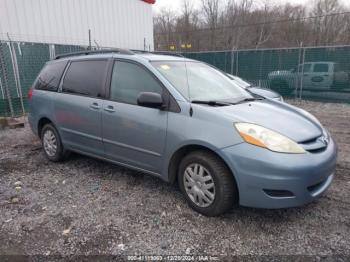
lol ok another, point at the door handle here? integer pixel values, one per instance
(109, 109)
(94, 106)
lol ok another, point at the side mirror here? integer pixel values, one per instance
(150, 99)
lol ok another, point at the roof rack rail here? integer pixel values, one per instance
(89, 52)
(168, 53)
(157, 52)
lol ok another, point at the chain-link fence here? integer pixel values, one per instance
(320, 73)
(317, 73)
(20, 63)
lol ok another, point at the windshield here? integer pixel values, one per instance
(198, 81)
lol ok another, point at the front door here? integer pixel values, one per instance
(132, 134)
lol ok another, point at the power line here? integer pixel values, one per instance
(256, 24)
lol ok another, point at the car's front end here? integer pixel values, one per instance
(268, 179)
(286, 159)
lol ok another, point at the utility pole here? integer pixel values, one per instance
(89, 39)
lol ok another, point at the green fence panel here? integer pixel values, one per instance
(31, 57)
(4, 108)
(293, 72)
(283, 70)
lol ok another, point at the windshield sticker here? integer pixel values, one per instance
(165, 67)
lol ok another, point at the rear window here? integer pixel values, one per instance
(49, 78)
(85, 78)
(321, 68)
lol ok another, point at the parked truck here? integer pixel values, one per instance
(311, 75)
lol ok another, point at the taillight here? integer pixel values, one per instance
(30, 93)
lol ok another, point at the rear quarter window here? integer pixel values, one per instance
(49, 78)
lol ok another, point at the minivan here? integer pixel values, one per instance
(182, 120)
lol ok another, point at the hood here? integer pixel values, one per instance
(282, 118)
(263, 92)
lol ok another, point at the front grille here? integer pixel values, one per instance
(316, 144)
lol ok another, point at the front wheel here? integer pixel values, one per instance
(207, 184)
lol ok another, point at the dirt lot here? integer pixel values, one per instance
(86, 206)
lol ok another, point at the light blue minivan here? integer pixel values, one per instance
(182, 120)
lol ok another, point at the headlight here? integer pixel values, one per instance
(263, 137)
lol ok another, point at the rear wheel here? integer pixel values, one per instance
(52, 144)
(207, 183)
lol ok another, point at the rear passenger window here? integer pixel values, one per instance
(129, 80)
(49, 78)
(321, 68)
(85, 78)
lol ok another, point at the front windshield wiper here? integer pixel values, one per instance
(211, 102)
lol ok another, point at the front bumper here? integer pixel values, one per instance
(267, 179)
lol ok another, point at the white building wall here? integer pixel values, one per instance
(113, 23)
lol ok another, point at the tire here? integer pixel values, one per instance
(224, 190)
(53, 150)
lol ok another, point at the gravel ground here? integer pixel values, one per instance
(86, 206)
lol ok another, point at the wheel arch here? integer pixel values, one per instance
(42, 122)
(180, 153)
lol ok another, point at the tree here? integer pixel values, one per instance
(187, 22)
(237, 24)
(164, 28)
(327, 28)
(211, 17)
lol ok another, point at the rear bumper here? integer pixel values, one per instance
(32, 124)
(267, 179)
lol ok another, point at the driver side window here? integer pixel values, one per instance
(129, 80)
